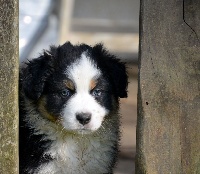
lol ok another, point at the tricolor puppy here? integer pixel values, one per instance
(69, 102)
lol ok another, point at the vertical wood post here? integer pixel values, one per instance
(168, 128)
(8, 86)
(65, 17)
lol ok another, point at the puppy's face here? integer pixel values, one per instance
(79, 97)
(78, 93)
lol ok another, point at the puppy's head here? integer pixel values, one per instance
(76, 86)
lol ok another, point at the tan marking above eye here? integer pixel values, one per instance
(93, 84)
(70, 85)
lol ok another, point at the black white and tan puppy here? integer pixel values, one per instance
(69, 103)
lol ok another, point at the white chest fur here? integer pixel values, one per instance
(75, 155)
(78, 153)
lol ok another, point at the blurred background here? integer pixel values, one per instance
(115, 23)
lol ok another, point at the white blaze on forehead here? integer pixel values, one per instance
(82, 72)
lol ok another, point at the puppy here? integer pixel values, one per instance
(69, 103)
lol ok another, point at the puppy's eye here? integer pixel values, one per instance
(66, 92)
(96, 92)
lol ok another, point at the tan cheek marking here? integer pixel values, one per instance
(44, 112)
(70, 85)
(93, 84)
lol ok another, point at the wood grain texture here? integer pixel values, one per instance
(168, 128)
(8, 86)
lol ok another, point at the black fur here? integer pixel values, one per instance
(112, 68)
(31, 148)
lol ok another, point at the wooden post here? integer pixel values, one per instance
(168, 128)
(8, 86)
(65, 17)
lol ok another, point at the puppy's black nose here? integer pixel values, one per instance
(83, 118)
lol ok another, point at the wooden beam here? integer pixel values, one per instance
(8, 86)
(168, 128)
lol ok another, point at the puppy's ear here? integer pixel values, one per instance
(114, 67)
(34, 76)
(119, 77)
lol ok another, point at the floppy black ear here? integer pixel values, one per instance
(33, 77)
(119, 77)
(114, 67)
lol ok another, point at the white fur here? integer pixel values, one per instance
(81, 73)
(83, 154)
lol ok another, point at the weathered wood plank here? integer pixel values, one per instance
(8, 86)
(168, 128)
